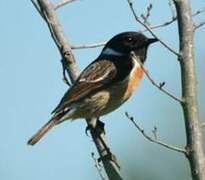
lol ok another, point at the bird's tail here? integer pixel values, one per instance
(42, 131)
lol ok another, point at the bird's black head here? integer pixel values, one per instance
(130, 41)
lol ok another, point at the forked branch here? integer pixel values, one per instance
(156, 26)
(160, 86)
(150, 30)
(155, 140)
(62, 3)
(47, 11)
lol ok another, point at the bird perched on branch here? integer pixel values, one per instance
(105, 84)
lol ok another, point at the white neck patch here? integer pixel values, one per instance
(112, 52)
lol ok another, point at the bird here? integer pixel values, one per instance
(105, 84)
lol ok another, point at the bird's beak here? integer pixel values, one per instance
(152, 40)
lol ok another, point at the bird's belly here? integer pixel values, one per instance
(107, 100)
(98, 105)
(121, 92)
(92, 106)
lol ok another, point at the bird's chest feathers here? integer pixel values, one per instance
(133, 79)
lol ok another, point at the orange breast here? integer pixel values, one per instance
(133, 81)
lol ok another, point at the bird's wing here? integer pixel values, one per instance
(96, 75)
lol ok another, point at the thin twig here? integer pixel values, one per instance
(173, 19)
(98, 166)
(64, 48)
(62, 3)
(95, 45)
(150, 30)
(160, 85)
(172, 8)
(197, 26)
(148, 14)
(154, 140)
(160, 25)
(199, 12)
(155, 133)
(84, 46)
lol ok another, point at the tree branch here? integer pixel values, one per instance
(85, 46)
(146, 16)
(150, 30)
(59, 38)
(62, 3)
(47, 9)
(172, 8)
(197, 26)
(154, 140)
(199, 12)
(98, 166)
(110, 163)
(160, 85)
(163, 24)
(190, 106)
(202, 124)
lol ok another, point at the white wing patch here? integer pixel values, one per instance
(112, 52)
(95, 80)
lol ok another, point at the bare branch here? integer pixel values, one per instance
(62, 3)
(198, 12)
(172, 8)
(173, 19)
(164, 24)
(160, 85)
(98, 166)
(160, 25)
(147, 15)
(95, 45)
(154, 140)
(194, 135)
(197, 26)
(84, 46)
(59, 38)
(56, 30)
(150, 30)
(155, 133)
(110, 163)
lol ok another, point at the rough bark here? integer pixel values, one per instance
(47, 11)
(194, 146)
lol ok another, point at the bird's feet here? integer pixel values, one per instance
(97, 130)
(109, 157)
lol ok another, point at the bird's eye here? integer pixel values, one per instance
(129, 39)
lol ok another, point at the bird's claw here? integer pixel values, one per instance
(110, 157)
(98, 129)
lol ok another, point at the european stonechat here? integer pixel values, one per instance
(105, 84)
